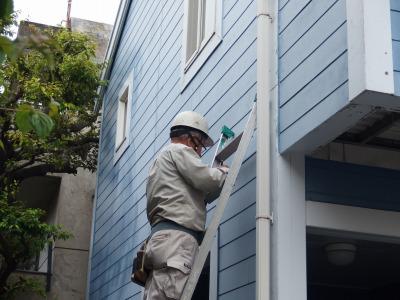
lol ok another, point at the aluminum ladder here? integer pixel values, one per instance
(239, 145)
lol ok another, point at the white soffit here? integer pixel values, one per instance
(353, 219)
(369, 39)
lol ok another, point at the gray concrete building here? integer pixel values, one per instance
(99, 32)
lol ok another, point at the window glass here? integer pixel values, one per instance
(202, 35)
(200, 26)
(192, 28)
(122, 118)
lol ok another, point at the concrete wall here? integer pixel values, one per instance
(72, 209)
(99, 33)
(70, 257)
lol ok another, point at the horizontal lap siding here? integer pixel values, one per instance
(222, 90)
(313, 71)
(395, 15)
(350, 184)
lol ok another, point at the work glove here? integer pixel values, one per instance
(224, 169)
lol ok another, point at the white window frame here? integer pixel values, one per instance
(122, 126)
(204, 47)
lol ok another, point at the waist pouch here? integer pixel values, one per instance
(139, 272)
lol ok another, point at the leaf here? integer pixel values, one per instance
(29, 119)
(6, 8)
(42, 124)
(2, 146)
(69, 105)
(53, 108)
(23, 117)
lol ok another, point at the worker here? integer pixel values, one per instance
(178, 187)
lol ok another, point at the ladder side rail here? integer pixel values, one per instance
(222, 202)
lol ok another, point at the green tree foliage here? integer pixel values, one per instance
(47, 125)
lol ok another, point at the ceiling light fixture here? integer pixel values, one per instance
(341, 254)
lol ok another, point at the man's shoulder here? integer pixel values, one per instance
(172, 147)
(178, 149)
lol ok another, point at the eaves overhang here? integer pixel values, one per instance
(355, 73)
(112, 47)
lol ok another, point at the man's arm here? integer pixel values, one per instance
(197, 174)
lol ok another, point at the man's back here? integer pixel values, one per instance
(177, 186)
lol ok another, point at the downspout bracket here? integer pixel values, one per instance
(266, 15)
(266, 217)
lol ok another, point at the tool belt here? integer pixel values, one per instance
(171, 225)
(139, 272)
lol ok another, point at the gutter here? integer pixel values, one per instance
(112, 47)
(263, 164)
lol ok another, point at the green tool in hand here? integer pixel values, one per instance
(226, 134)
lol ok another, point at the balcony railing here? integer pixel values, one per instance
(41, 268)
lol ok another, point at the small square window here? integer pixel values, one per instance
(123, 119)
(202, 34)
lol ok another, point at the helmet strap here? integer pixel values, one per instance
(194, 143)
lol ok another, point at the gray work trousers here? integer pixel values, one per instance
(170, 255)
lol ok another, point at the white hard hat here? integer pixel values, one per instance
(195, 121)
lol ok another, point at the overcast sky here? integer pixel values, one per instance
(53, 12)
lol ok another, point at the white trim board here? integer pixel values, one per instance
(119, 149)
(369, 40)
(360, 221)
(288, 233)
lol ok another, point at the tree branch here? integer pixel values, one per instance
(80, 127)
(83, 141)
(16, 169)
(42, 170)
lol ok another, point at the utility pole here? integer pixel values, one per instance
(69, 15)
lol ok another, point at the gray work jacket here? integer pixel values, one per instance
(178, 186)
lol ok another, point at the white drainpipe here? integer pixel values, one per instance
(263, 215)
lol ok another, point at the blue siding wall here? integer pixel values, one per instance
(395, 14)
(349, 184)
(223, 90)
(312, 65)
